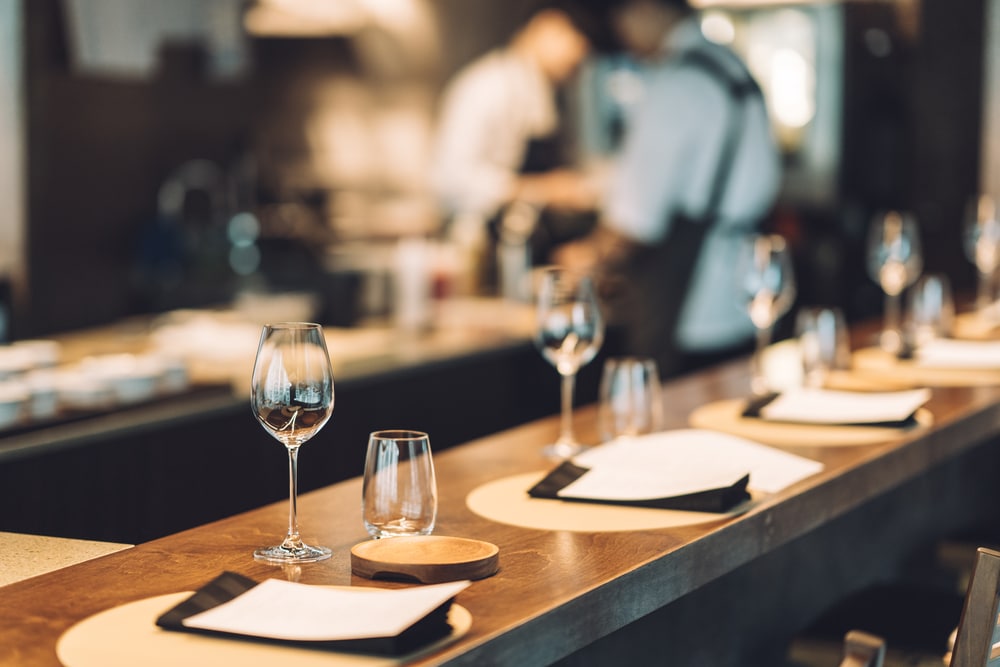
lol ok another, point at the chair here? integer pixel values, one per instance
(976, 641)
(863, 650)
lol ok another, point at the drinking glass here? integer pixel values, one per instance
(824, 343)
(767, 290)
(630, 398)
(569, 332)
(931, 312)
(399, 493)
(291, 395)
(982, 246)
(894, 262)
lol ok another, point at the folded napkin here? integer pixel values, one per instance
(684, 469)
(720, 499)
(893, 409)
(366, 620)
(952, 353)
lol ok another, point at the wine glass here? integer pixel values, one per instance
(569, 332)
(291, 394)
(894, 262)
(982, 246)
(767, 290)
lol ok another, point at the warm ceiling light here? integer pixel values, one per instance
(304, 18)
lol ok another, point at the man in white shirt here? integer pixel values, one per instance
(698, 171)
(496, 139)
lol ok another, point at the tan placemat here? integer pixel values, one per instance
(727, 416)
(976, 326)
(127, 636)
(876, 361)
(506, 500)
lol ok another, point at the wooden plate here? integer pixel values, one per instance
(429, 559)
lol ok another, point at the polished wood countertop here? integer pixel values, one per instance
(556, 591)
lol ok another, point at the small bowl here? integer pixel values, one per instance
(14, 397)
(132, 378)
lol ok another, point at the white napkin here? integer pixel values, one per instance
(277, 609)
(673, 463)
(828, 406)
(951, 353)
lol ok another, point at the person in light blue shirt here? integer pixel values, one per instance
(698, 170)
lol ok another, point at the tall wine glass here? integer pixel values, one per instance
(767, 290)
(894, 262)
(291, 394)
(982, 246)
(569, 332)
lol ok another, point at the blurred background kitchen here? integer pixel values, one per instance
(170, 155)
(271, 158)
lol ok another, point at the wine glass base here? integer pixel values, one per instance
(560, 451)
(283, 554)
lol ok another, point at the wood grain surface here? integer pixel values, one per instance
(555, 592)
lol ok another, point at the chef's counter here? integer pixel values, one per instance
(138, 469)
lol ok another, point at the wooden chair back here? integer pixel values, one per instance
(976, 642)
(863, 650)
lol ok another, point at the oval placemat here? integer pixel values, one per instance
(878, 361)
(127, 635)
(429, 559)
(506, 500)
(727, 416)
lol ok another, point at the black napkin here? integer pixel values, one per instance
(709, 500)
(230, 585)
(757, 403)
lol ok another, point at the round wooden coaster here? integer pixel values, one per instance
(727, 416)
(429, 559)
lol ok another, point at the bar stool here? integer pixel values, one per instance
(976, 640)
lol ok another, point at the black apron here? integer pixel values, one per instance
(650, 288)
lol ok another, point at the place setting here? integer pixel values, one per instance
(930, 343)
(234, 619)
(805, 391)
(641, 477)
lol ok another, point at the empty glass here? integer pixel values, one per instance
(569, 331)
(931, 312)
(630, 398)
(894, 262)
(766, 282)
(399, 492)
(824, 343)
(982, 246)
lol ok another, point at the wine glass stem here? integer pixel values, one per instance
(568, 383)
(892, 338)
(758, 381)
(983, 296)
(292, 540)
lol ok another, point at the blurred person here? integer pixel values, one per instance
(698, 171)
(499, 135)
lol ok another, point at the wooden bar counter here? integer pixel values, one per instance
(727, 592)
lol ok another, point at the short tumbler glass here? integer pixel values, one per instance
(399, 494)
(630, 399)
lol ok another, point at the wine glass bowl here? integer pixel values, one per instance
(569, 332)
(895, 261)
(766, 280)
(291, 394)
(981, 241)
